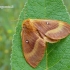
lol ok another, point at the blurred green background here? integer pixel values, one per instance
(8, 21)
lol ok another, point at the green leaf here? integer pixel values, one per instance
(57, 56)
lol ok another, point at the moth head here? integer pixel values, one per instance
(28, 25)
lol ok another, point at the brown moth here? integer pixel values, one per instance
(36, 32)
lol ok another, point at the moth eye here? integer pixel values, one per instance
(24, 27)
(27, 41)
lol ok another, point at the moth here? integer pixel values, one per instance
(36, 32)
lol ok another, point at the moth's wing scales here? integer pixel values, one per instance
(33, 47)
(45, 25)
(47, 39)
(60, 32)
(53, 29)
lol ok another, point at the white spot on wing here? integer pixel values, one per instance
(27, 41)
(47, 23)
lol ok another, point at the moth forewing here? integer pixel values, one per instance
(33, 46)
(62, 31)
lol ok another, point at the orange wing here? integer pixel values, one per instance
(33, 46)
(52, 29)
(62, 31)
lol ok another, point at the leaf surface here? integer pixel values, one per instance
(57, 56)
